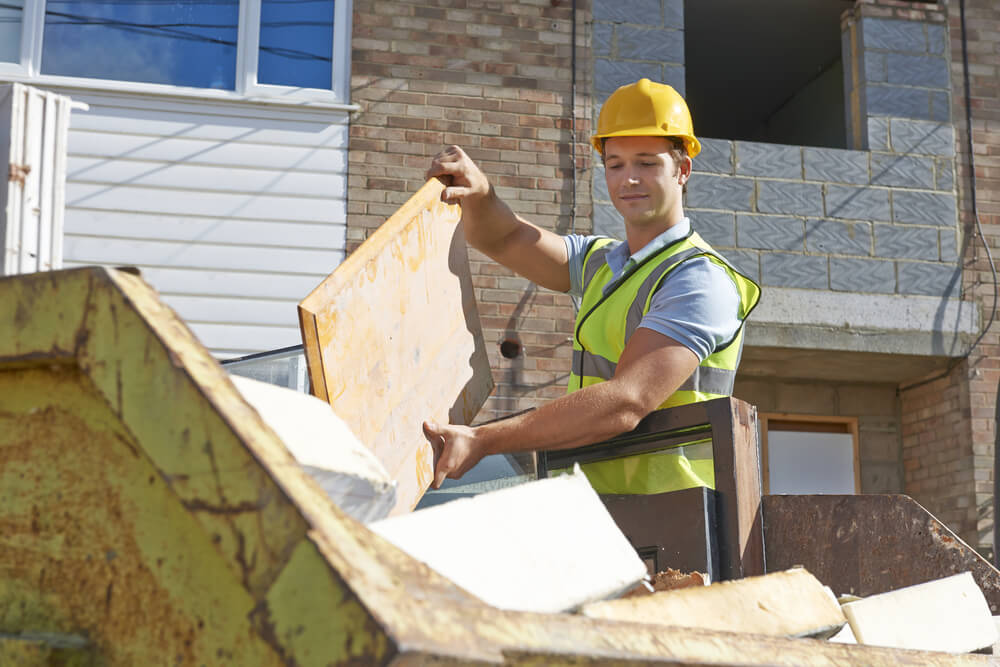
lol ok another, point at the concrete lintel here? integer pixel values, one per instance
(884, 323)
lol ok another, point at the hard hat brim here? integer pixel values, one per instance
(691, 143)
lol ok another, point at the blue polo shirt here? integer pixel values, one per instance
(696, 305)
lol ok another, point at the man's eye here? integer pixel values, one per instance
(648, 164)
(613, 166)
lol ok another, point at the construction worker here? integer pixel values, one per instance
(661, 317)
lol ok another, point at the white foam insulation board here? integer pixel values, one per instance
(544, 546)
(949, 615)
(347, 471)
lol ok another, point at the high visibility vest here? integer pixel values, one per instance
(605, 324)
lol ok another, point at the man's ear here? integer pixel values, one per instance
(684, 170)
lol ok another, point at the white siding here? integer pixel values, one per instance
(234, 212)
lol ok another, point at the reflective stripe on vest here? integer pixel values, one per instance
(705, 379)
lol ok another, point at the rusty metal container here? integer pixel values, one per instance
(149, 515)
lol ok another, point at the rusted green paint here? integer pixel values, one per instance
(95, 543)
(145, 505)
(35, 650)
(209, 525)
(298, 612)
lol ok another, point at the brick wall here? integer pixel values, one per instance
(494, 78)
(949, 423)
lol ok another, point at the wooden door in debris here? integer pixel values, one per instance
(393, 337)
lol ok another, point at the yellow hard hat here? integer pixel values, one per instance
(646, 108)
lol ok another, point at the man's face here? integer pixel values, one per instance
(644, 183)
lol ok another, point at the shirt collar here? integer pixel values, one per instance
(618, 257)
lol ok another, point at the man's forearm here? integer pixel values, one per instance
(586, 416)
(488, 221)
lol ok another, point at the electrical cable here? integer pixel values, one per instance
(975, 214)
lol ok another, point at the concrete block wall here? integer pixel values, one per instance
(496, 80)
(633, 39)
(896, 65)
(880, 221)
(822, 218)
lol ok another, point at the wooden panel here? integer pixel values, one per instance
(738, 483)
(392, 337)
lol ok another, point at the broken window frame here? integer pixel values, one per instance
(28, 69)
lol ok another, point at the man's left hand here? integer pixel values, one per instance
(456, 450)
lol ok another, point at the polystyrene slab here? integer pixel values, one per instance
(543, 546)
(949, 614)
(323, 444)
(392, 337)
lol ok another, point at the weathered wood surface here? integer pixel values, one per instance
(392, 338)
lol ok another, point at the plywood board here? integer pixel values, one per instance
(392, 337)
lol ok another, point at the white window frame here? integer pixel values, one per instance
(28, 70)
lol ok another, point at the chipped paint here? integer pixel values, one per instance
(145, 506)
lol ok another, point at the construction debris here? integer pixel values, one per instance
(321, 442)
(669, 580)
(392, 337)
(949, 615)
(544, 546)
(784, 604)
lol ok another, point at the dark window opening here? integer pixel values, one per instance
(766, 71)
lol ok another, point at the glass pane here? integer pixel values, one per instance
(10, 30)
(296, 43)
(806, 463)
(285, 367)
(184, 43)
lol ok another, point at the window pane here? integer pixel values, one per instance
(10, 30)
(184, 43)
(296, 43)
(805, 462)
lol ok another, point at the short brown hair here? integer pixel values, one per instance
(677, 150)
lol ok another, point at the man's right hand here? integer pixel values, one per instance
(464, 181)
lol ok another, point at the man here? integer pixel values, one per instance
(661, 318)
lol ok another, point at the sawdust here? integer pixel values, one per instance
(669, 580)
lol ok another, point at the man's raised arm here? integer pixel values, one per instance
(494, 229)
